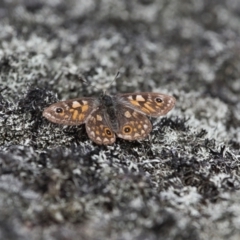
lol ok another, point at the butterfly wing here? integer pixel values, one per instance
(98, 128)
(133, 125)
(151, 104)
(70, 112)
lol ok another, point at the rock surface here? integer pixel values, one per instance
(181, 183)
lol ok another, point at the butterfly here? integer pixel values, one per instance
(124, 115)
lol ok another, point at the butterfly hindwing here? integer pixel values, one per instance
(98, 129)
(133, 125)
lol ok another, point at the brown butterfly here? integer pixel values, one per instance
(105, 117)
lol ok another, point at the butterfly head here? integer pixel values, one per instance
(106, 99)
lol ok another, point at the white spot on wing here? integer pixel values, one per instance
(105, 140)
(99, 117)
(127, 114)
(76, 104)
(140, 98)
(65, 105)
(145, 126)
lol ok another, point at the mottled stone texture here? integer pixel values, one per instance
(181, 183)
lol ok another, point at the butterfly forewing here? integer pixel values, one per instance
(98, 129)
(70, 112)
(133, 125)
(151, 104)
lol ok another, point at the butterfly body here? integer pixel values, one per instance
(124, 115)
(109, 108)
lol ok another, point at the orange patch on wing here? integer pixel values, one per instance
(159, 104)
(135, 103)
(85, 108)
(61, 114)
(149, 107)
(145, 110)
(75, 114)
(81, 117)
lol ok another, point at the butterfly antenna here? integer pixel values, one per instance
(84, 81)
(115, 78)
